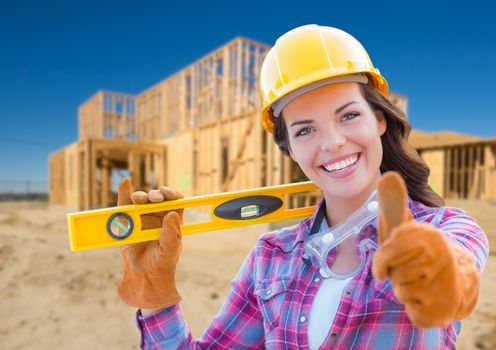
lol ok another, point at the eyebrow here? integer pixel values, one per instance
(344, 106)
(308, 121)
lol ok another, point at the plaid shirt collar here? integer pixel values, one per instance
(288, 238)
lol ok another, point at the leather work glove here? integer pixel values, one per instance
(149, 267)
(436, 280)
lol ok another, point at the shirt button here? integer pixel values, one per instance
(348, 292)
(303, 319)
(334, 335)
(316, 280)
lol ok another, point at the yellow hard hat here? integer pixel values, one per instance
(309, 54)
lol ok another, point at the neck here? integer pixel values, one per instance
(339, 209)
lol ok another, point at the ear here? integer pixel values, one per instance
(291, 152)
(381, 122)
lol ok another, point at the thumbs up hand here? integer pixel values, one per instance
(435, 279)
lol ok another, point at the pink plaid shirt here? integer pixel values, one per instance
(270, 299)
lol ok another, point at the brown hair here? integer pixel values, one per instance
(398, 154)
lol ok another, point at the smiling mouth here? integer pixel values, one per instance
(342, 165)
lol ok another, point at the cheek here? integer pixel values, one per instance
(300, 156)
(374, 148)
(369, 139)
(361, 134)
(303, 153)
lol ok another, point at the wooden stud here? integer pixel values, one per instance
(458, 168)
(463, 172)
(215, 97)
(106, 182)
(448, 173)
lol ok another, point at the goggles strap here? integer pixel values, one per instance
(314, 229)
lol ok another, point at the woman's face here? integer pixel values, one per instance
(334, 136)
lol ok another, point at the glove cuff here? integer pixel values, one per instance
(149, 299)
(469, 281)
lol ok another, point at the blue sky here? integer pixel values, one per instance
(55, 55)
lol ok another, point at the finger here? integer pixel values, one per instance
(139, 197)
(400, 250)
(151, 221)
(379, 267)
(124, 192)
(385, 262)
(393, 209)
(155, 196)
(170, 193)
(412, 246)
(415, 273)
(410, 294)
(382, 229)
(170, 236)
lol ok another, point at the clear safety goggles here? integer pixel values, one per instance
(319, 244)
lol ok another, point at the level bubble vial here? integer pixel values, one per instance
(120, 225)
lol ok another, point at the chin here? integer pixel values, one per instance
(344, 192)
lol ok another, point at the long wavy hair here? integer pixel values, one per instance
(398, 154)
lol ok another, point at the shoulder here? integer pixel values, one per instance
(458, 226)
(286, 238)
(441, 215)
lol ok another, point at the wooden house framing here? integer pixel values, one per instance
(462, 166)
(197, 131)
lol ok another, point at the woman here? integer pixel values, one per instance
(325, 103)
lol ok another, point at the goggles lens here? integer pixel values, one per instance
(321, 244)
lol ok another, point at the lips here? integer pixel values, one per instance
(341, 173)
(341, 163)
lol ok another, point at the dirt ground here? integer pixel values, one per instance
(52, 298)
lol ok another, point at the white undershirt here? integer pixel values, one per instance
(323, 311)
(324, 306)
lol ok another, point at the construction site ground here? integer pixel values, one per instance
(52, 298)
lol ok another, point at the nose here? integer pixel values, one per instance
(333, 140)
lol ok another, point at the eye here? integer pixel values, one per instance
(303, 131)
(349, 116)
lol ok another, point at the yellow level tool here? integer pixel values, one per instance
(122, 225)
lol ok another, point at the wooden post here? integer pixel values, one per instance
(471, 170)
(87, 175)
(447, 173)
(480, 171)
(106, 183)
(456, 167)
(463, 170)
(131, 161)
(148, 171)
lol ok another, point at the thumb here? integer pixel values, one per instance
(170, 235)
(393, 208)
(124, 192)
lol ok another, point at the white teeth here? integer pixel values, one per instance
(342, 164)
